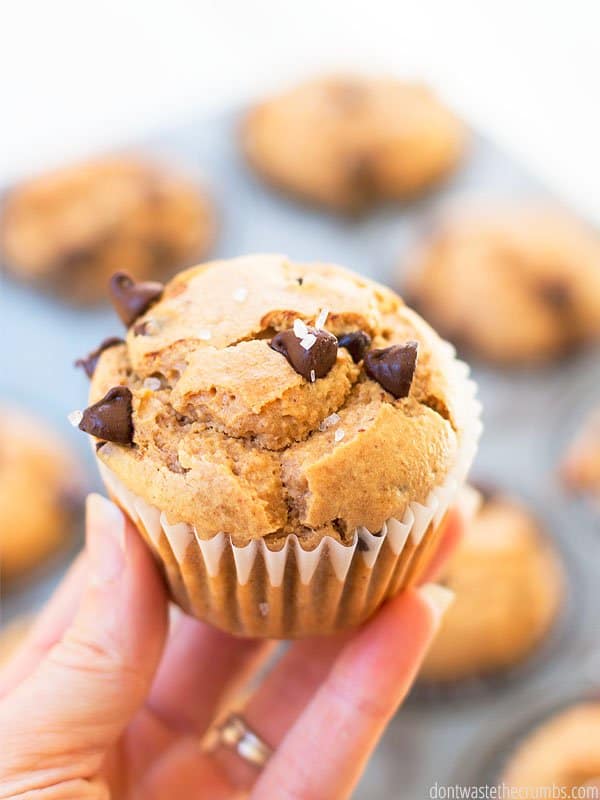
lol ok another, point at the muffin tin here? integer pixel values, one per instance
(528, 415)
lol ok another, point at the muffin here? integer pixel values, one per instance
(348, 142)
(277, 430)
(40, 493)
(564, 751)
(71, 229)
(509, 587)
(11, 636)
(512, 285)
(581, 466)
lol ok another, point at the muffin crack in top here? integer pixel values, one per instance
(230, 437)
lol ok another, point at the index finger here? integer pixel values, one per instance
(325, 752)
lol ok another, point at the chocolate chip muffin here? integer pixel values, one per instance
(348, 142)
(40, 493)
(513, 285)
(286, 436)
(509, 587)
(581, 466)
(71, 229)
(564, 751)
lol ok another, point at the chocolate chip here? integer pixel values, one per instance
(142, 328)
(356, 343)
(317, 360)
(300, 281)
(131, 299)
(393, 367)
(90, 362)
(361, 181)
(110, 419)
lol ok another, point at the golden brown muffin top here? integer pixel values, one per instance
(564, 751)
(349, 141)
(509, 586)
(513, 284)
(40, 491)
(229, 436)
(70, 229)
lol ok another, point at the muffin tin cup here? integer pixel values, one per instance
(292, 592)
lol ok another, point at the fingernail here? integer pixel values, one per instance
(105, 539)
(438, 598)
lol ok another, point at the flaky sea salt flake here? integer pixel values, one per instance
(308, 341)
(322, 318)
(75, 418)
(332, 419)
(240, 294)
(313, 376)
(339, 435)
(153, 384)
(300, 328)
(204, 334)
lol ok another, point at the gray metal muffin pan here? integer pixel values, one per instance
(529, 417)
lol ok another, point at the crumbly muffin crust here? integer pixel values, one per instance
(230, 438)
(514, 285)
(348, 142)
(69, 230)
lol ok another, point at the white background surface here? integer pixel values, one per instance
(78, 75)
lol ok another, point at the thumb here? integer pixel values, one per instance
(75, 705)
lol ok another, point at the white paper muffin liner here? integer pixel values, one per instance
(292, 592)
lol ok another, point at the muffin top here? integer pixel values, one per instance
(514, 285)
(349, 141)
(70, 229)
(40, 492)
(509, 586)
(564, 750)
(259, 397)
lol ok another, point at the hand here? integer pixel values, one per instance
(103, 701)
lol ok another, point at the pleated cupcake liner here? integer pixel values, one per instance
(292, 592)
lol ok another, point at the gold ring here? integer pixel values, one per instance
(235, 734)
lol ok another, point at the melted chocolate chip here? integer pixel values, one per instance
(319, 358)
(132, 299)
(356, 343)
(393, 367)
(110, 419)
(300, 281)
(362, 545)
(90, 362)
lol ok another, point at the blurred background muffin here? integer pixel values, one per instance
(581, 466)
(348, 142)
(512, 285)
(563, 751)
(509, 588)
(41, 493)
(69, 230)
